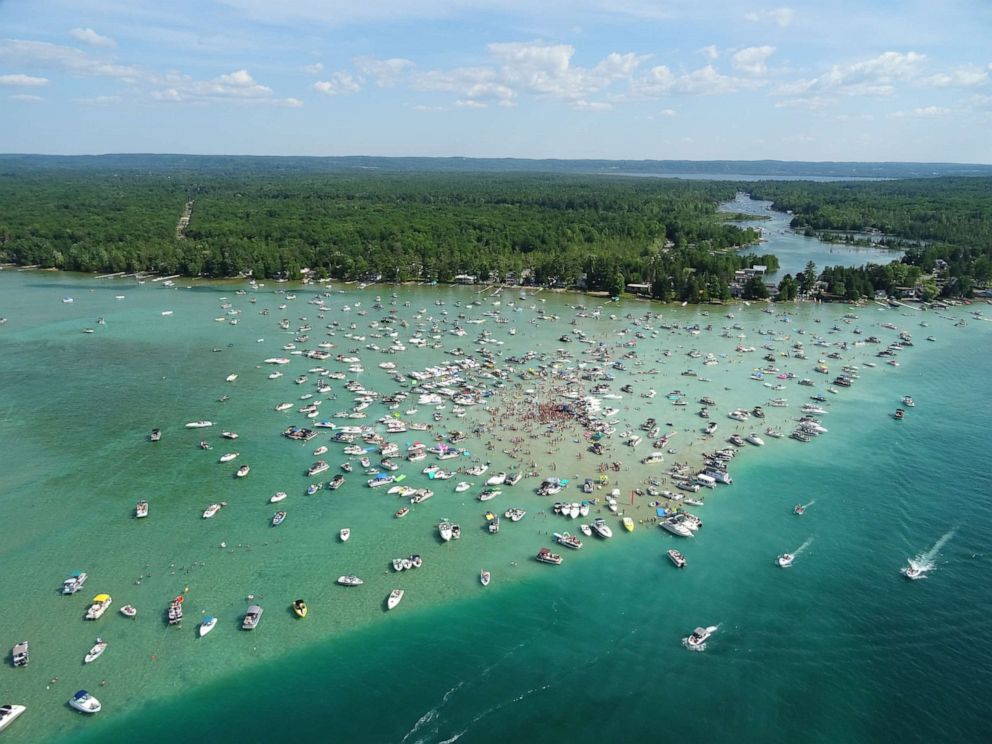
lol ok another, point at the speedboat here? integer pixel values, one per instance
(444, 530)
(755, 439)
(913, 572)
(277, 497)
(278, 518)
(546, 556)
(229, 434)
(344, 534)
(156, 435)
(129, 610)
(677, 558)
(98, 648)
(74, 583)
(676, 527)
(242, 471)
(141, 510)
(19, 654)
(199, 424)
(228, 457)
(628, 524)
(485, 577)
(514, 514)
(211, 510)
(300, 608)
(908, 401)
(394, 598)
(785, 560)
(585, 530)
(9, 714)
(320, 450)
(207, 624)
(85, 703)
(799, 509)
(601, 529)
(402, 512)
(462, 486)
(350, 581)
(100, 604)
(696, 641)
(252, 616)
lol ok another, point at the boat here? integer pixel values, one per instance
(277, 497)
(242, 471)
(228, 457)
(628, 524)
(318, 467)
(755, 439)
(129, 610)
(19, 655)
(141, 510)
(211, 510)
(252, 617)
(336, 482)
(568, 540)
(785, 560)
(899, 414)
(585, 530)
(98, 648)
(199, 424)
(175, 611)
(908, 401)
(204, 445)
(546, 556)
(799, 509)
(85, 703)
(600, 528)
(206, 625)
(74, 583)
(444, 530)
(675, 526)
(913, 572)
(402, 512)
(350, 581)
(320, 450)
(300, 608)
(156, 435)
(278, 518)
(344, 534)
(696, 641)
(9, 713)
(514, 514)
(462, 486)
(99, 606)
(394, 598)
(677, 558)
(229, 434)
(485, 577)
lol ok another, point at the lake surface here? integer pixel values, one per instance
(838, 648)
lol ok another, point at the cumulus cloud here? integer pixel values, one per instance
(710, 52)
(876, 76)
(923, 112)
(23, 81)
(340, 83)
(315, 69)
(26, 98)
(238, 86)
(960, 77)
(782, 17)
(752, 59)
(385, 72)
(91, 37)
(469, 103)
(67, 59)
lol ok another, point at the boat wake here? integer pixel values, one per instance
(431, 714)
(807, 506)
(799, 551)
(699, 646)
(926, 561)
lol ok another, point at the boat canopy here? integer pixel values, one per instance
(101, 598)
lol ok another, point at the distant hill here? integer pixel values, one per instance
(244, 164)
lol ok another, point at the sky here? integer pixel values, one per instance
(868, 80)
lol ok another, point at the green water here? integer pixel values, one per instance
(838, 648)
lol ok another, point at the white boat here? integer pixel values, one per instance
(485, 577)
(211, 510)
(229, 434)
(394, 598)
(141, 510)
(677, 558)
(350, 581)
(98, 648)
(676, 527)
(74, 583)
(462, 486)
(9, 713)
(231, 377)
(252, 618)
(320, 450)
(496, 480)
(785, 560)
(585, 530)
(101, 602)
(85, 703)
(755, 439)
(344, 534)
(227, 457)
(20, 654)
(569, 541)
(600, 527)
(199, 424)
(242, 471)
(696, 641)
(444, 529)
(278, 518)
(129, 611)
(277, 497)
(207, 624)
(283, 406)
(514, 514)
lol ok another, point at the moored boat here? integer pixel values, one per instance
(129, 610)
(394, 598)
(227, 457)
(601, 529)
(677, 558)
(206, 625)
(199, 424)
(211, 510)
(344, 534)
(300, 608)
(252, 617)
(20, 655)
(141, 510)
(278, 518)
(546, 556)
(156, 435)
(242, 471)
(350, 580)
(485, 577)
(568, 540)
(628, 524)
(101, 602)
(85, 703)
(74, 583)
(9, 713)
(98, 648)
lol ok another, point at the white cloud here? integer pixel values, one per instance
(780, 16)
(469, 103)
(340, 83)
(68, 59)
(26, 98)
(315, 69)
(922, 112)
(710, 52)
(582, 105)
(871, 77)
(812, 103)
(960, 77)
(234, 87)
(752, 59)
(669, 113)
(23, 81)
(385, 72)
(422, 107)
(91, 37)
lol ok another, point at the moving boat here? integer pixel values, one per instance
(141, 510)
(913, 572)
(99, 606)
(85, 703)
(697, 639)
(278, 518)
(300, 608)
(485, 577)
(677, 558)
(546, 556)
(9, 714)
(206, 625)
(350, 581)
(799, 509)
(74, 583)
(394, 598)
(19, 654)
(199, 424)
(252, 617)
(344, 534)
(129, 610)
(785, 560)
(98, 648)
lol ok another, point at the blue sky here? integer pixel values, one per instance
(903, 80)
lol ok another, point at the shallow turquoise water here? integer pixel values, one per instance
(838, 648)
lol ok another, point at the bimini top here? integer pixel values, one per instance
(101, 598)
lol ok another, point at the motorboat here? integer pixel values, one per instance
(277, 497)
(101, 602)
(229, 434)
(211, 510)
(318, 467)
(755, 439)
(300, 608)
(402, 512)
(785, 560)
(696, 641)
(175, 612)
(344, 534)
(514, 514)
(444, 530)
(242, 471)
(227, 457)
(485, 577)
(206, 625)
(899, 415)
(98, 648)
(205, 445)
(129, 610)
(9, 713)
(141, 510)
(913, 572)
(394, 598)
(156, 435)
(601, 529)
(676, 527)
(19, 655)
(908, 401)
(252, 617)
(677, 558)
(336, 482)
(628, 524)
(74, 583)
(85, 703)
(585, 530)
(278, 518)
(350, 581)
(799, 509)
(568, 540)
(546, 556)
(284, 406)
(462, 486)
(320, 450)
(199, 424)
